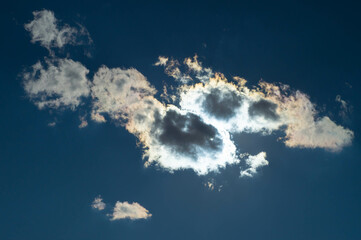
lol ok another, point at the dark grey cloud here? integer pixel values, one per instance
(264, 108)
(186, 133)
(222, 104)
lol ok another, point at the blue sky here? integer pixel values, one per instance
(307, 183)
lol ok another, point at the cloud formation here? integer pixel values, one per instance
(46, 30)
(195, 130)
(57, 83)
(132, 211)
(98, 203)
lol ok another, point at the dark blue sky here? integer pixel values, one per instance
(50, 175)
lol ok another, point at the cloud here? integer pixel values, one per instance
(345, 109)
(254, 162)
(185, 133)
(98, 203)
(117, 92)
(172, 69)
(196, 132)
(304, 127)
(264, 109)
(57, 83)
(221, 104)
(171, 139)
(83, 122)
(46, 30)
(180, 140)
(133, 211)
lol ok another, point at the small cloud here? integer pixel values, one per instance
(52, 124)
(98, 203)
(212, 186)
(345, 109)
(209, 185)
(83, 122)
(162, 61)
(46, 30)
(133, 211)
(254, 162)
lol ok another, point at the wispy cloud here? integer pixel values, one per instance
(46, 30)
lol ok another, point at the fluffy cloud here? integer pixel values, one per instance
(133, 211)
(46, 30)
(57, 83)
(98, 203)
(305, 128)
(265, 109)
(171, 138)
(182, 140)
(196, 133)
(253, 163)
(118, 92)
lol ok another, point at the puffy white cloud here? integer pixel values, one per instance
(57, 83)
(46, 30)
(133, 211)
(98, 203)
(253, 163)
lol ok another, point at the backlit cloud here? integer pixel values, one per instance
(195, 130)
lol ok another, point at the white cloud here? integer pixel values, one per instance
(133, 211)
(46, 30)
(254, 162)
(57, 83)
(98, 203)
